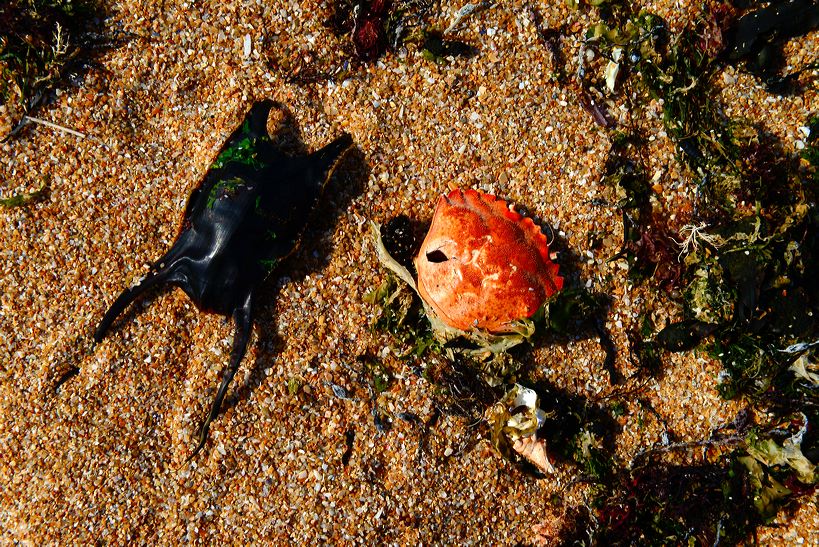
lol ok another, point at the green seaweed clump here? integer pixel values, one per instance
(751, 301)
(25, 199)
(43, 43)
(402, 316)
(746, 480)
(744, 263)
(752, 287)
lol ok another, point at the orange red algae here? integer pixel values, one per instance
(483, 265)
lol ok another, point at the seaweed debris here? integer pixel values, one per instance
(745, 254)
(739, 263)
(740, 482)
(377, 26)
(44, 43)
(25, 199)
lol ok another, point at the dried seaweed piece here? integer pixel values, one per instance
(599, 114)
(648, 245)
(369, 32)
(805, 369)
(25, 199)
(377, 26)
(551, 38)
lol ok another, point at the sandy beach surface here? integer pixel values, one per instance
(103, 458)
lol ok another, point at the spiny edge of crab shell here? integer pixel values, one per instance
(505, 209)
(484, 203)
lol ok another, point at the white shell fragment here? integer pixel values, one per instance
(533, 417)
(613, 68)
(514, 422)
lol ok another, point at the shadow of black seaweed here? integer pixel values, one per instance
(758, 38)
(569, 414)
(348, 181)
(659, 503)
(592, 309)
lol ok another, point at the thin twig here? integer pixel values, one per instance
(707, 443)
(55, 126)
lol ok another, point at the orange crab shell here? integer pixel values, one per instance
(483, 265)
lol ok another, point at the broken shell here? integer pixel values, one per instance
(483, 265)
(514, 422)
(535, 451)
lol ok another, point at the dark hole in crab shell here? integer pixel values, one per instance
(437, 256)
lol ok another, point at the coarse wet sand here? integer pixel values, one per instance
(103, 459)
